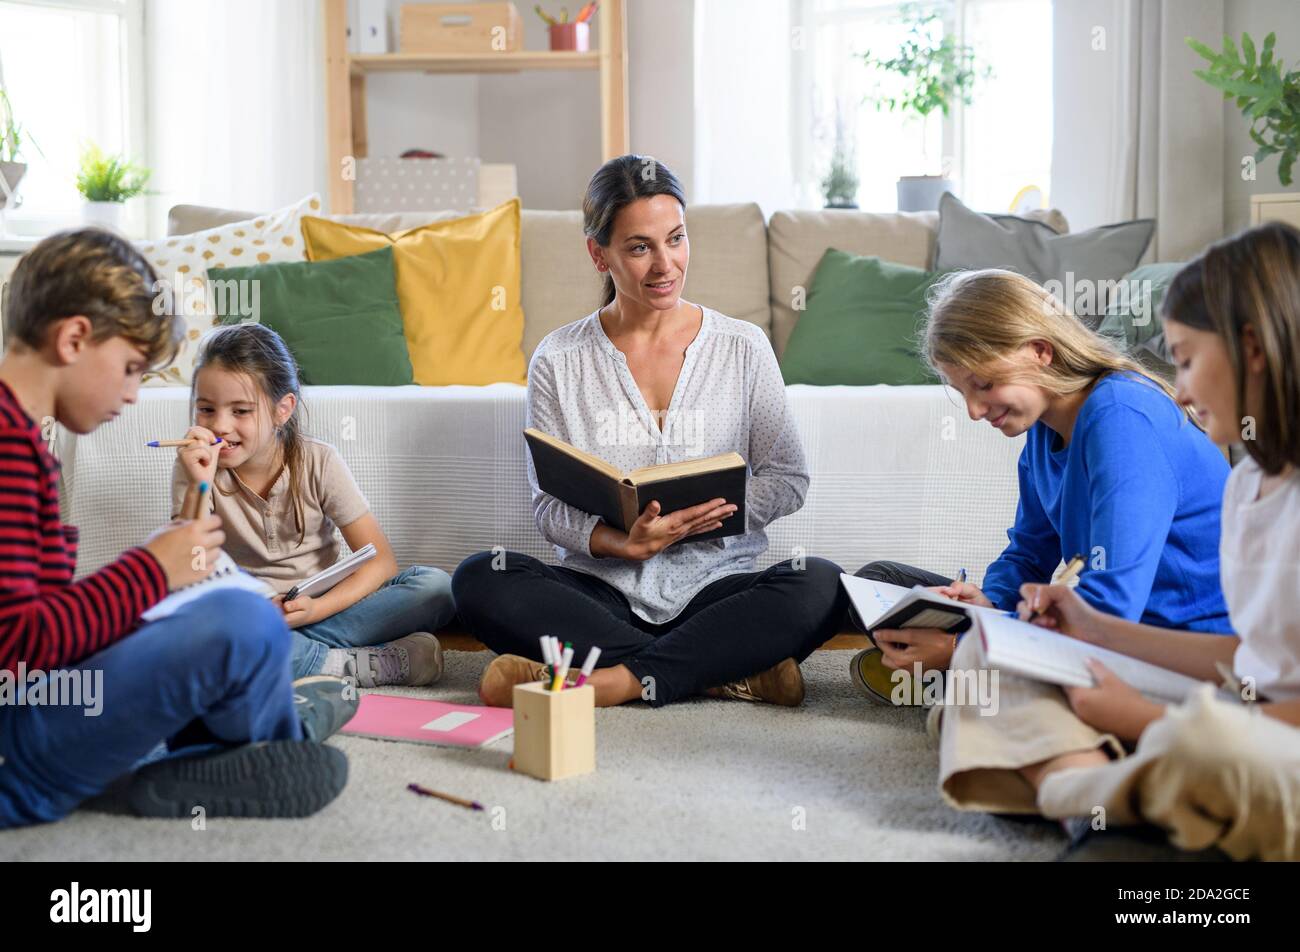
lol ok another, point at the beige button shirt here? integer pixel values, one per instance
(262, 534)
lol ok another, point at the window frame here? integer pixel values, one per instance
(135, 131)
(803, 152)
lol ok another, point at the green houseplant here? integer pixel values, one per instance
(1266, 93)
(928, 74)
(840, 184)
(12, 169)
(105, 182)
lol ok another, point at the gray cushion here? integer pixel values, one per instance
(970, 240)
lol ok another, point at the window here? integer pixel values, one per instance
(69, 68)
(991, 149)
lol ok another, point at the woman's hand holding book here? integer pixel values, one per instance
(653, 532)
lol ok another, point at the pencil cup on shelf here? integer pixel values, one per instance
(575, 37)
(555, 731)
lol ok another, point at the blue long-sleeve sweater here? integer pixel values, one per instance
(1138, 492)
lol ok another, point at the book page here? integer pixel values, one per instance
(1050, 656)
(662, 471)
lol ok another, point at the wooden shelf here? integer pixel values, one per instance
(345, 85)
(472, 62)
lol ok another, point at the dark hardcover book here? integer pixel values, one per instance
(588, 483)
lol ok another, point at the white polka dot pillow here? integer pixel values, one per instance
(182, 261)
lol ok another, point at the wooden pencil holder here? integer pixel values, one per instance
(555, 731)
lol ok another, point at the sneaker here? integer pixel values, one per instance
(412, 661)
(324, 704)
(781, 684)
(1128, 844)
(497, 686)
(283, 778)
(877, 681)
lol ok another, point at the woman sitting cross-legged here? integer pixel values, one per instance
(648, 379)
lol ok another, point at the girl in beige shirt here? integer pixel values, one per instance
(280, 496)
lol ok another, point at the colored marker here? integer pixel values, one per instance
(546, 656)
(563, 671)
(588, 666)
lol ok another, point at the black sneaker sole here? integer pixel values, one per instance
(285, 778)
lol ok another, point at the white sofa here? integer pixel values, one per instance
(897, 472)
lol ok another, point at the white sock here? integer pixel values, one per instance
(334, 660)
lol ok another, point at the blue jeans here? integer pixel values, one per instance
(418, 599)
(214, 674)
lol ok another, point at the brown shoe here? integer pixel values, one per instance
(497, 686)
(782, 684)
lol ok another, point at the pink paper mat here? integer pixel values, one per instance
(429, 722)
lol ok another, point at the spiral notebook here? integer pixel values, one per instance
(226, 576)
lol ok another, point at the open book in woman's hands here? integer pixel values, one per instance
(588, 483)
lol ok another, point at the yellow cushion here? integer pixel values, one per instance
(458, 288)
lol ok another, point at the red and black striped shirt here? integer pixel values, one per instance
(46, 619)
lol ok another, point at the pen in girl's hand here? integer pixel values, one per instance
(180, 442)
(1068, 575)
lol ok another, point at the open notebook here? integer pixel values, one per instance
(881, 605)
(322, 582)
(1008, 644)
(226, 576)
(1044, 655)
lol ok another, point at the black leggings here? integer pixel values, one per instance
(734, 627)
(894, 573)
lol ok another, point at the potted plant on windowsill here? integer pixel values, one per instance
(929, 73)
(106, 182)
(1266, 95)
(11, 145)
(840, 185)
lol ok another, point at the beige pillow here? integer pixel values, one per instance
(182, 264)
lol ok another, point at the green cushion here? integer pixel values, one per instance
(861, 324)
(339, 318)
(1132, 317)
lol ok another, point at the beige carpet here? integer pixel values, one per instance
(700, 780)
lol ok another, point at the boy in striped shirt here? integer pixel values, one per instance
(210, 682)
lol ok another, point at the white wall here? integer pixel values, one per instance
(548, 123)
(235, 103)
